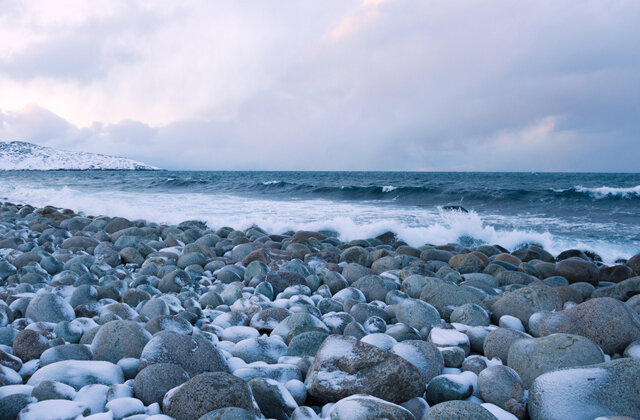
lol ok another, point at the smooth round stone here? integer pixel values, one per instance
(458, 410)
(227, 413)
(508, 321)
(11, 405)
(51, 390)
(470, 314)
(632, 350)
(29, 344)
(606, 389)
(193, 354)
(273, 398)
(49, 307)
(54, 409)
(531, 357)
(116, 340)
(265, 349)
(401, 332)
(65, 352)
(498, 342)
(417, 314)
(375, 324)
(153, 382)
(298, 390)
(207, 392)
(475, 364)
(453, 356)
(78, 373)
(502, 386)
(443, 337)
(449, 387)
(608, 322)
(364, 407)
(172, 323)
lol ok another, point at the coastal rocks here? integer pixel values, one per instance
(524, 302)
(498, 342)
(344, 366)
(502, 386)
(119, 339)
(578, 270)
(78, 373)
(153, 382)
(450, 387)
(364, 407)
(602, 390)
(621, 291)
(193, 354)
(49, 307)
(531, 357)
(458, 410)
(207, 392)
(609, 323)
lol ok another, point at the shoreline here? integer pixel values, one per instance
(301, 323)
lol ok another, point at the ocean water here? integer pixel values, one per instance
(596, 212)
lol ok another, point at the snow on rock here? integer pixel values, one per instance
(79, 373)
(125, 407)
(94, 396)
(508, 321)
(19, 155)
(15, 389)
(499, 412)
(53, 410)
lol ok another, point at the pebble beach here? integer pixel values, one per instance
(104, 318)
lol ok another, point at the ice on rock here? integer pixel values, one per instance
(380, 340)
(125, 407)
(94, 396)
(508, 321)
(79, 373)
(54, 410)
(498, 412)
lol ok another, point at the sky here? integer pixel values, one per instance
(501, 85)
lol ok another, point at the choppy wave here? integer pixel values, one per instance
(604, 191)
(417, 226)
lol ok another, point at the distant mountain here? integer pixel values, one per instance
(23, 155)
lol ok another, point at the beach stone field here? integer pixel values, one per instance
(107, 318)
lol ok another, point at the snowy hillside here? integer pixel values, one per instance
(22, 155)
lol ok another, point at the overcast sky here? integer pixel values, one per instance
(333, 84)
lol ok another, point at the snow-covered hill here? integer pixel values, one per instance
(23, 155)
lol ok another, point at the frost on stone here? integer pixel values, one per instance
(78, 373)
(53, 410)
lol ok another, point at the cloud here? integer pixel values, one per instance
(374, 84)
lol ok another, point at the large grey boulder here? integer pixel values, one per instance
(208, 392)
(531, 357)
(606, 389)
(119, 339)
(49, 307)
(344, 366)
(193, 354)
(611, 324)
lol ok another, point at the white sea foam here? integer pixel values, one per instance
(388, 188)
(604, 191)
(416, 225)
(273, 182)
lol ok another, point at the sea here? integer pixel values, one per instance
(590, 211)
